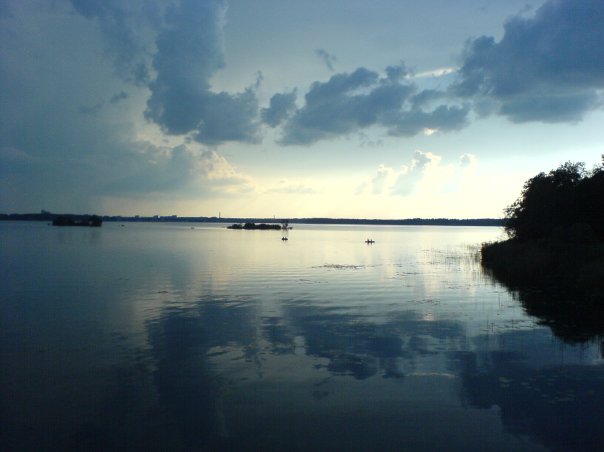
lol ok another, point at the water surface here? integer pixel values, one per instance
(189, 336)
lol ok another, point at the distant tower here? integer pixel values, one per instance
(219, 215)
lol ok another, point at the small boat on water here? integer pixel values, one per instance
(284, 238)
(369, 241)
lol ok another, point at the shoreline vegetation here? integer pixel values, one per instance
(70, 220)
(50, 217)
(556, 239)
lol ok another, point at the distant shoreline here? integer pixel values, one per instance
(49, 217)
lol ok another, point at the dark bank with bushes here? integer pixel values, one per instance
(556, 237)
(78, 220)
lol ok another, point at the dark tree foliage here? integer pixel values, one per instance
(567, 198)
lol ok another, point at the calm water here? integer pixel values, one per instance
(185, 337)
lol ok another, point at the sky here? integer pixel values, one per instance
(270, 108)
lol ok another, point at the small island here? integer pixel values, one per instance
(78, 220)
(556, 236)
(253, 226)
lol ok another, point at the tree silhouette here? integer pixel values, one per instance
(563, 198)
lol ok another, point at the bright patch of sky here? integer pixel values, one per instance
(384, 109)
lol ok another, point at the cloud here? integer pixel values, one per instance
(439, 72)
(423, 160)
(189, 53)
(380, 181)
(327, 58)
(220, 172)
(127, 29)
(103, 96)
(396, 73)
(458, 177)
(444, 118)
(282, 105)
(546, 68)
(407, 180)
(72, 129)
(401, 181)
(427, 97)
(174, 49)
(183, 169)
(350, 102)
(152, 169)
(423, 174)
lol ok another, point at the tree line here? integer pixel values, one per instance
(569, 197)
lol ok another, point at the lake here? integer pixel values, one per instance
(174, 336)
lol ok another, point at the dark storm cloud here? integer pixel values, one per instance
(427, 96)
(548, 68)
(281, 107)
(443, 118)
(125, 27)
(174, 49)
(77, 75)
(226, 117)
(396, 73)
(177, 52)
(71, 130)
(361, 99)
(189, 53)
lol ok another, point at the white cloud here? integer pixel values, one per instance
(424, 160)
(220, 174)
(424, 174)
(435, 72)
(381, 180)
(422, 164)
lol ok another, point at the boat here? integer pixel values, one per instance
(369, 241)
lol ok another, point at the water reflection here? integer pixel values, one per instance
(571, 316)
(560, 405)
(230, 377)
(189, 391)
(180, 339)
(223, 358)
(358, 346)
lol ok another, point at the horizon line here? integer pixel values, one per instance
(47, 215)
